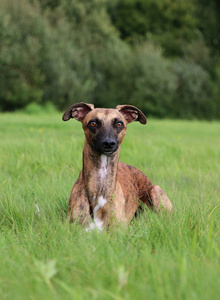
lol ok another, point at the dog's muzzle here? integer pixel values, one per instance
(106, 146)
(109, 145)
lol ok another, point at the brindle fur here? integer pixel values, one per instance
(122, 186)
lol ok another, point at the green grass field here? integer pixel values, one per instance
(158, 256)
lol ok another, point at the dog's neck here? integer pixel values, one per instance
(99, 174)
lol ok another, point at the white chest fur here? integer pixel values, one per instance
(103, 171)
(99, 198)
(98, 223)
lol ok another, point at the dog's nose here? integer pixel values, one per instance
(108, 143)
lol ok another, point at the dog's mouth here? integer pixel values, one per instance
(106, 151)
(106, 147)
(109, 152)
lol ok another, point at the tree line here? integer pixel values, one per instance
(161, 55)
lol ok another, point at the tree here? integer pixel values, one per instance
(170, 23)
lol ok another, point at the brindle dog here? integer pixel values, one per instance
(107, 189)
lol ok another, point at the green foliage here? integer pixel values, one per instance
(154, 82)
(33, 108)
(170, 23)
(105, 53)
(21, 80)
(158, 256)
(164, 88)
(208, 14)
(67, 51)
(198, 53)
(49, 3)
(193, 89)
(39, 59)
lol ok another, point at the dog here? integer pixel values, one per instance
(107, 189)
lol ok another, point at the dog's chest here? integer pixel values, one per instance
(106, 195)
(100, 180)
(103, 170)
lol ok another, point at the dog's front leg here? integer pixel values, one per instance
(79, 208)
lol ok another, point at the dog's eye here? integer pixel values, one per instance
(119, 124)
(93, 124)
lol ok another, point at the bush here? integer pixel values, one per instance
(21, 80)
(165, 88)
(33, 108)
(39, 59)
(49, 107)
(154, 82)
(107, 57)
(193, 92)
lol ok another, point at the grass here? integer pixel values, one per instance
(156, 257)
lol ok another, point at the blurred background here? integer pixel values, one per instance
(160, 55)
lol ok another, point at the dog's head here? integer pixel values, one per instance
(104, 128)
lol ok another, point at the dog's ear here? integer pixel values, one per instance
(132, 113)
(78, 111)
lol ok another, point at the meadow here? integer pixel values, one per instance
(159, 256)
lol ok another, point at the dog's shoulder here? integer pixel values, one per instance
(129, 170)
(129, 175)
(132, 178)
